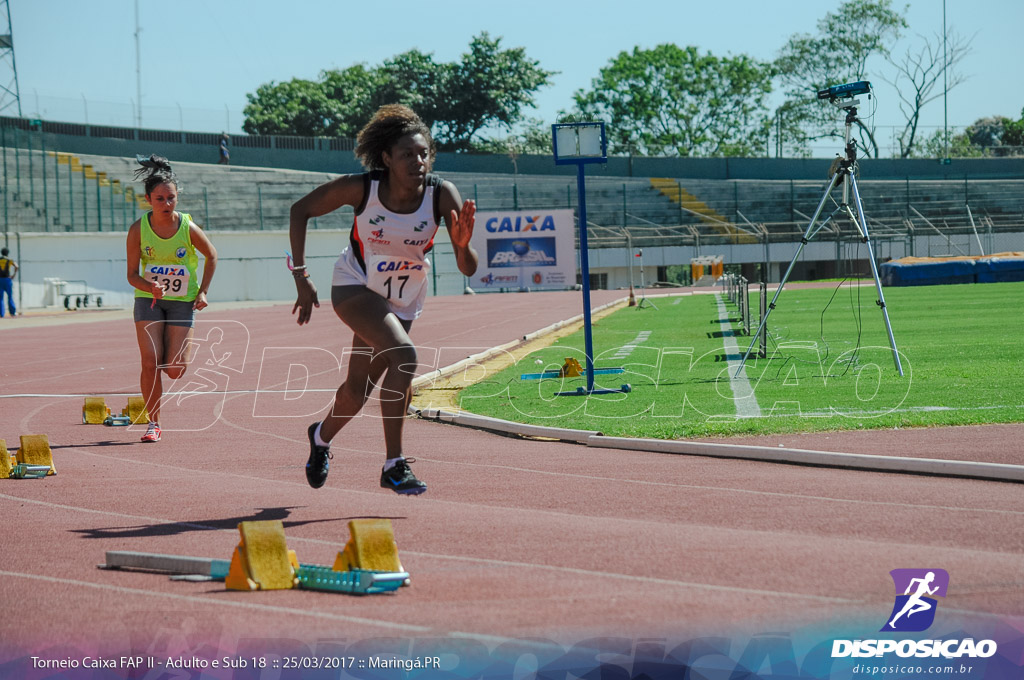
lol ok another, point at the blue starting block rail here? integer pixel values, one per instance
(353, 582)
(311, 576)
(558, 374)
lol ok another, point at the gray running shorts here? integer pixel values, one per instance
(174, 312)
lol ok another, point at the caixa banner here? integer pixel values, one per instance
(525, 249)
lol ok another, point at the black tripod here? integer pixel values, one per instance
(844, 173)
(643, 286)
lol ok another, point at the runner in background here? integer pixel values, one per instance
(162, 266)
(380, 279)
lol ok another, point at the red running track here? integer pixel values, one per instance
(514, 539)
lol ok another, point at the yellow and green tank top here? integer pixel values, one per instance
(173, 261)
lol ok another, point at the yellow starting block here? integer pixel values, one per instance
(35, 450)
(570, 369)
(371, 546)
(261, 560)
(136, 410)
(94, 411)
(5, 460)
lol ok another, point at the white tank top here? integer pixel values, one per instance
(391, 247)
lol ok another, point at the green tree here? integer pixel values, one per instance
(934, 146)
(838, 53)
(675, 101)
(986, 132)
(531, 136)
(411, 78)
(1013, 133)
(489, 88)
(295, 107)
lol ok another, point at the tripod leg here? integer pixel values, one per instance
(789, 270)
(863, 226)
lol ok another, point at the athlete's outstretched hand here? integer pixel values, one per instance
(460, 224)
(306, 300)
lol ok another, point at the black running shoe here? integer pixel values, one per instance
(400, 479)
(317, 465)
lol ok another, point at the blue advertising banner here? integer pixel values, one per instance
(520, 249)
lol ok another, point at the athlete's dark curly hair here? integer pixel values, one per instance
(155, 170)
(388, 125)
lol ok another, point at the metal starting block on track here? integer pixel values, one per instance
(95, 412)
(34, 458)
(117, 421)
(354, 581)
(261, 561)
(22, 471)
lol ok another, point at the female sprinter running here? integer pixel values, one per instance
(162, 266)
(380, 279)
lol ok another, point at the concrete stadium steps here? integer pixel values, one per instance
(885, 201)
(604, 195)
(678, 194)
(702, 211)
(244, 198)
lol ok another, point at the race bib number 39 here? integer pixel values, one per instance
(396, 279)
(174, 278)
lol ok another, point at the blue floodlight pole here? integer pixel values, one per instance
(579, 144)
(588, 338)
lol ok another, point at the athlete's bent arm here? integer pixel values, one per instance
(460, 218)
(134, 252)
(345, 190)
(203, 245)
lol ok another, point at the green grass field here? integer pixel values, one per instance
(829, 366)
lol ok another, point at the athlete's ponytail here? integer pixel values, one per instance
(155, 170)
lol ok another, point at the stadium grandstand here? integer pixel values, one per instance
(62, 178)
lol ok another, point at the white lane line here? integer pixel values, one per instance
(465, 558)
(627, 349)
(217, 602)
(332, 390)
(600, 478)
(743, 393)
(483, 560)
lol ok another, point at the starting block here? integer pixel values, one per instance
(261, 561)
(35, 451)
(370, 546)
(354, 581)
(94, 411)
(136, 411)
(113, 420)
(22, 471)
(6, 460)
(570, 369)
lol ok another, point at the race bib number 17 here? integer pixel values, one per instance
(397, 280)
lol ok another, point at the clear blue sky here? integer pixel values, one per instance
(199, 59)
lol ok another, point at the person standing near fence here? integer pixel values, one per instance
(162, 267)
(225, 153)
(380, 279)
(8, 270)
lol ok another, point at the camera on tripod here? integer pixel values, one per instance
(847, 91)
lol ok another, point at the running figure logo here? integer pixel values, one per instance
(914, 610)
